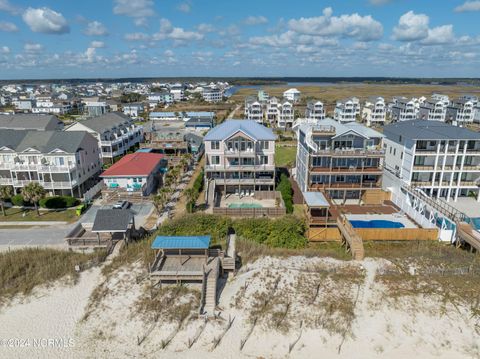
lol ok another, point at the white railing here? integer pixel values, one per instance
(6, 181)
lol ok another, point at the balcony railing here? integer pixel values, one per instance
(47, 185)
(351, 152)
(240, 168)
(6, 181)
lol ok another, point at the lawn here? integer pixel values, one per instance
(16, 214)
(285, 156)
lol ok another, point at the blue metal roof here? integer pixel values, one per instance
(181, 242)
(162, 114)
(145, 150)
(201, 114)
(250, 128)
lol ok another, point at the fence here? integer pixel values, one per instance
(92, 192)
(250, 212)
(323, 235)
(397, 234)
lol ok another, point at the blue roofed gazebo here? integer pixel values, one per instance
(181, 242)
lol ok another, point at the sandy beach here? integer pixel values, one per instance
(309, 308)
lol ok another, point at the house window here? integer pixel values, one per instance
(264, 145)
(215, 145)
(264, 160)
(340, 178)
(215, 160)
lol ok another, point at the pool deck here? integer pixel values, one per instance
(384, 217)
(226, 202)
(467, 205)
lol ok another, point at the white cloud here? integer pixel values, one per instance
(255, 20)
(282, 40)
(95, 28)
(4, 50)
(32, 48)
(363, 28)
(45, 20)
(204, 28)
(139, 10)
(169, 53)
(184, 7)
(90, 54)
(97, 44)
(8, 26)
(7, 7)
(168, 31)
(137, 36)
(439, 35)
(469, 6)
(411, 27)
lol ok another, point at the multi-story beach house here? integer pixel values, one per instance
(95, 108)
(404, 109)
(292, 95)
(285, 115)
(116, 133)
(342, 160)
(212, 94)
(253, 109)
(374, 111)
(64, 163)
(240, 158)
(440, 159)
(273, 110)
(315, 110)
(462, 110)
(133, 110)
(347, 110)
(434, 109)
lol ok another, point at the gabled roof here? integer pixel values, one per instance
(42, 141)
(134, 164)
(106, 122)
(250, 128)
(30, 122)
(181, 242)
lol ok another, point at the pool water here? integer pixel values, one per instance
(476, 222)
(245, 205)
(377, 223)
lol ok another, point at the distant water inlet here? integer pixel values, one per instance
(377, 223)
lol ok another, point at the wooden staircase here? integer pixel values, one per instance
(466, 233)
(210, 294)
(353, 240)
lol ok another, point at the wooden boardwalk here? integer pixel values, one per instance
(210, 295)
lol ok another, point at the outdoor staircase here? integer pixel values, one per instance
(353, 240)
(210, 295)
(466, 233)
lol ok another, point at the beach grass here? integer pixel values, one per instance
(285, 156)
(24, 269)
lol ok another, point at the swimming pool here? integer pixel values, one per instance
(245, 205)
(376, 223)
(475, 222)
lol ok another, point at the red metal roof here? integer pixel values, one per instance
(138, 164)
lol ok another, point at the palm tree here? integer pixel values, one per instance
(5, 193)
(191, 196)
(161, 199)
(186, 161)
(33, 192)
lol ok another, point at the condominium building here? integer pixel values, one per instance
(342, 160)
(64, 163)
(116, 133)
(374, 111)
(253, 109)
(347, 110)
(440, 159)
(404, 109)
(434, 109)
(461, 111)
(315, 110)
(285, 115)
(240, 157)
(95, 108)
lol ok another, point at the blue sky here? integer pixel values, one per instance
(125, 38)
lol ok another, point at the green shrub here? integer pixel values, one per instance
(285, 232)
(285, 188)
(58, 202)
(17, 200)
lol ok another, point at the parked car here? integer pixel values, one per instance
(121, 205)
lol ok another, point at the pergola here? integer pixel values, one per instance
(317, 205)
(114, 221)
